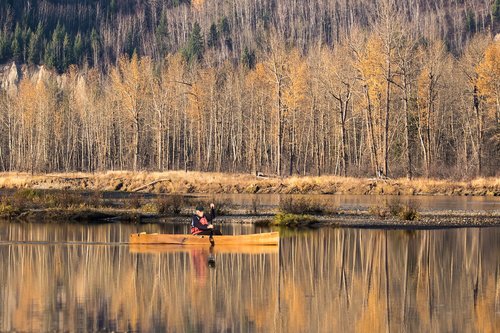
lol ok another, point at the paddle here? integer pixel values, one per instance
(211, 257)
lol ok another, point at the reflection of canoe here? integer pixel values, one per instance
(171, 248)
(269, 238)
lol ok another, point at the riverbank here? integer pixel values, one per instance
(180, 182)
(46, 206)
(360, 219)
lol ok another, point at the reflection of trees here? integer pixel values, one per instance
(90, 288)
(350, 280)
(331, 280)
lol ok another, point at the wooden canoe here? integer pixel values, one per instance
(269, 238)
(223, 249)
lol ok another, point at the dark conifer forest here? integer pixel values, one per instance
(59, 33)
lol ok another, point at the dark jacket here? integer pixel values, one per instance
(200, 224)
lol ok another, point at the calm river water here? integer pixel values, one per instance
(79, 278)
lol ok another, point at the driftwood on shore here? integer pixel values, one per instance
(66, 178)
(261, 175)
(151, 183)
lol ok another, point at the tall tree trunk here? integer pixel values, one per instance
(387, 114)
(373, 145)
(279, 149)
(343, 116)
(136, 143)
(430, 107)
(479, 129)
(409, 174)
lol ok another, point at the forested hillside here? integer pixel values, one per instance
(395, 88)
(58, 33)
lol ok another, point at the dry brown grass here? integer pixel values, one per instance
(181, 182)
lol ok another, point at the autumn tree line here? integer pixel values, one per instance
(388, 100)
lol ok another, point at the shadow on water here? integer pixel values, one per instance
(352, 280)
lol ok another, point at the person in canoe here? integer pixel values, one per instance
(201, 224)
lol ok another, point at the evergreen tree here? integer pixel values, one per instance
(49, 57)
(248, 58)
(78, 49)
(112, 7)
(53, 57)
(224, 27)
(213, 37)
(496, 11)
(34, 46)
(26, 37)
(225, 31)
(194, 49)
(95, 43)
(67, 52)
(470, 21)
(130, 43)
(4, 47)
(17, 44)
(161, 36)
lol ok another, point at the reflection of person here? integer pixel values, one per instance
(201, 224)
(199, 259)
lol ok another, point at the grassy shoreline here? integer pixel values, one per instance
(180, 182)
(97, 206)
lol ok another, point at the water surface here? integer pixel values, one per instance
(424, 203)
(76, 277)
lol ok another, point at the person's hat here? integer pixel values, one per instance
(199, 207)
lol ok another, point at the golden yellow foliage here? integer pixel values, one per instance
(197, 3)
(295, 94)
(26, 99)
(130, 82)
(488, 75)
(371, 65)
(199, 98)
(259, 78)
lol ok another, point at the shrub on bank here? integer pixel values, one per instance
(378, 211)
(7, 210)
(293, 220)
(404, 212)
(169, 204)
(303, 206)
(64, 199)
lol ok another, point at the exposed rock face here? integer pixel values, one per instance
(11, 75)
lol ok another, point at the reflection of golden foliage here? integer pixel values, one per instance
(294, 298)
(422, 296)
(329, 281)
(373, 316)
(486, 320)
